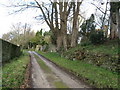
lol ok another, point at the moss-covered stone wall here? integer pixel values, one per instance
(0, 52)
(8, 50)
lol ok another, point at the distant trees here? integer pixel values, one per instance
(20, 34)
(90, 33)
(87, 27)
(41, 40)
(102, 16)
(38, 39)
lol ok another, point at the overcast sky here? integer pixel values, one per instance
(27, 16)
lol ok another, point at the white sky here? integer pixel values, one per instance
(27, 16)
(7, 20)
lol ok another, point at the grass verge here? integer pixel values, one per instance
(13, 72)
(95, 76)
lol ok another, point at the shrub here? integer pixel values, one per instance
(97, 37)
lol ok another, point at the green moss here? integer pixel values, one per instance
(59, 84)
(43, 65)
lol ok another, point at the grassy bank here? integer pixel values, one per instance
(94, 75)
(13, 72)
(109, 47)
(103, 55)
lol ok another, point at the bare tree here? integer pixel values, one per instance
(19, 34)
(102, 17)
(76, 10)
(56, 16)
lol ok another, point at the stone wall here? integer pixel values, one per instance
(8, 50)
(0, 52)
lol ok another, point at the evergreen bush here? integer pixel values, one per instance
(97, 37)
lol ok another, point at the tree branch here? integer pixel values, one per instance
(42, 12)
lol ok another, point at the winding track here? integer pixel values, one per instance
(39, 78)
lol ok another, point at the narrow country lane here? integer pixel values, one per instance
(38, 77)
(41, 79)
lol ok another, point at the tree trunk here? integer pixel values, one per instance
(113, 20)
(74, 37)
(105, 28)
(118, 21)
(75, 22)
(63, 23)
(64, 26)
(113, 25)
(64, 38)
(59, 41)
